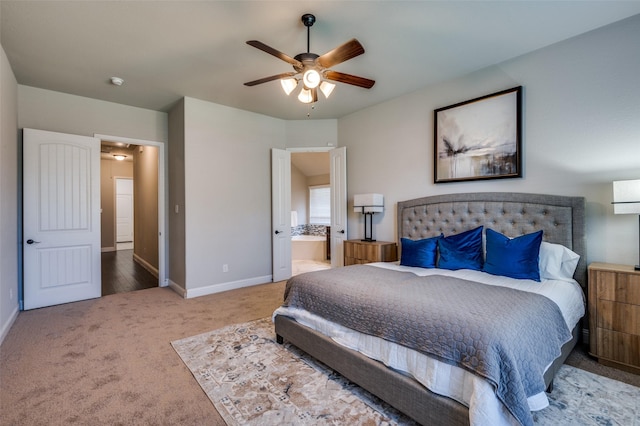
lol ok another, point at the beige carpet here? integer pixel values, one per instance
(109, 361)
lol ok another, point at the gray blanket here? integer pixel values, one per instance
(506, 336)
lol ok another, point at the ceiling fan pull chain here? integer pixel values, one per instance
(311, 108)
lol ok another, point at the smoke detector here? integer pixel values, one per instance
(117, 81)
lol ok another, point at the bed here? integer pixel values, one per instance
(512, 215)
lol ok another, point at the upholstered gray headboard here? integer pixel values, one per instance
(561, 218)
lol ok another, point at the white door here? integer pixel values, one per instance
(124, 210)
(338, 176)
(61, 218)
(281, 213)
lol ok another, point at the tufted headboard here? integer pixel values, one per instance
(561, 218)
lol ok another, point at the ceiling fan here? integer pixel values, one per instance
(313, 69)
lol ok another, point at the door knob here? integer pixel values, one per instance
(277, 232)
(341, 231)
(30, 241)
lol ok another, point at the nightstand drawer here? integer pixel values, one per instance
(369, 251)
(619, 347)
(622, 317)
(618, 287)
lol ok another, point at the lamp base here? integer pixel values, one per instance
(637, 267)
(368, 226)
(370, 240)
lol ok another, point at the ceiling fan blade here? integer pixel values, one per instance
(271, 51)
(342, 53)
(270, 78)
(349, 79)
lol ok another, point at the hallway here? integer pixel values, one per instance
(121, 274)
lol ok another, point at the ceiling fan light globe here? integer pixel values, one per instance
(288, 85)
(327, 88)
(311, 79)
(305, 96)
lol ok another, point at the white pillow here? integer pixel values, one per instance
(557, 262)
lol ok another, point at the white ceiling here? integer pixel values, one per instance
(165, 50)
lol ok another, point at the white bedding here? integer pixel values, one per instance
(441, 378)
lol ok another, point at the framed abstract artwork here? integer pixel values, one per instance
(480, 138)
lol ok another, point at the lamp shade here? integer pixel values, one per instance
(305, 96)
(368, 203)
(327, 88)
(288, 84)
(626, 196)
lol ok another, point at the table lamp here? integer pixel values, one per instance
(626, 200)
(368, 205)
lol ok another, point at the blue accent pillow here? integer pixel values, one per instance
(461, 251)
(422, 253)
(513, 257)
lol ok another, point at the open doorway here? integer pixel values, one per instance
(129, 216)
(281, 208)
(310, 212)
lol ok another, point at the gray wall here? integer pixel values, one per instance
(176, 201)
(311, 133)
(581, 132)
(61, 112)
(8, 196)
(227, 162)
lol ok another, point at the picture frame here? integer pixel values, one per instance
(479, 139)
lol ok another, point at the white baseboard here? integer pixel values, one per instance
(146, 265)
(218, 288)
(7, 326)
(175, 287)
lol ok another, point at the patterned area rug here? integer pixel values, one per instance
(252, 380)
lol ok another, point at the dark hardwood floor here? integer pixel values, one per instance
(121, 274)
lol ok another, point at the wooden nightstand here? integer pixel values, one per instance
(358, 252)
(614, 315)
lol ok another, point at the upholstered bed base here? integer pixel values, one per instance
(397, 389)
(561, 218)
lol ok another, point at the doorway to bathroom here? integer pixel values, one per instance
(310, 212)
(282, 188)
